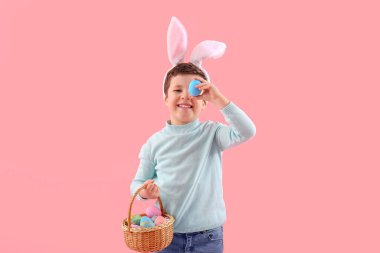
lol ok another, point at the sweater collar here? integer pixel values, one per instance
(181, 129)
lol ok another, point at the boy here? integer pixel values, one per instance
(182, 162)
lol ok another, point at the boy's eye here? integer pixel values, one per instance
(177, 90)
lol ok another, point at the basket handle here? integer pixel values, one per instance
(130, 206)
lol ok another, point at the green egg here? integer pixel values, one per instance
(136, 219)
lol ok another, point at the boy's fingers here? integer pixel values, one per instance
(151, 188)
(200, 79)
(203, 86)
(148, 182)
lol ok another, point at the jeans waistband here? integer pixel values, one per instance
(196, 233)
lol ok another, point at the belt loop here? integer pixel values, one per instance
(188, 242)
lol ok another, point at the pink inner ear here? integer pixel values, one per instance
(208, 49)
(176, 41)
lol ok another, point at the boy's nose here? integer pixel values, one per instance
(186, 94)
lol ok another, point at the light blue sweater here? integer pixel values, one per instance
(186, 163)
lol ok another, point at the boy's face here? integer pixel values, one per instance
(182, 106)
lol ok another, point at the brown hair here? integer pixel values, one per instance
(182, 68)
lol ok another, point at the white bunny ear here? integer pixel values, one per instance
(207, 49)
(176, 41)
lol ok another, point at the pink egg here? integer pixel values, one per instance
(159, 220)
(153, 211)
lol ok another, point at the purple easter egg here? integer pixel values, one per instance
(153, 211)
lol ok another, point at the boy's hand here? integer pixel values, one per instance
(151, 190)
(211, 93)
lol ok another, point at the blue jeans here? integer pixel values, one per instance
(208, 241)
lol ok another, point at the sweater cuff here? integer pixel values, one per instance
(228, 108)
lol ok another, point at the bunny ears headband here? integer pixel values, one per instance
(177, 46)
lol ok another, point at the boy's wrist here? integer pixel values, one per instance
(221, 102)
(140, 198)
(143, 194)
(143, 197)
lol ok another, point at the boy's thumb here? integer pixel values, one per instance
(199, 97)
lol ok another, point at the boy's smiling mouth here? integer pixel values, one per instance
(184, 106)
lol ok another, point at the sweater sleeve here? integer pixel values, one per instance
(145, 171)
(240, 128)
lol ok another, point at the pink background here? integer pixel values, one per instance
(80, 92)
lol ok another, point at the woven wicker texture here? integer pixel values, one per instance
(148, 239)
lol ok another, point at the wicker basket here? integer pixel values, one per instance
(148, 239)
